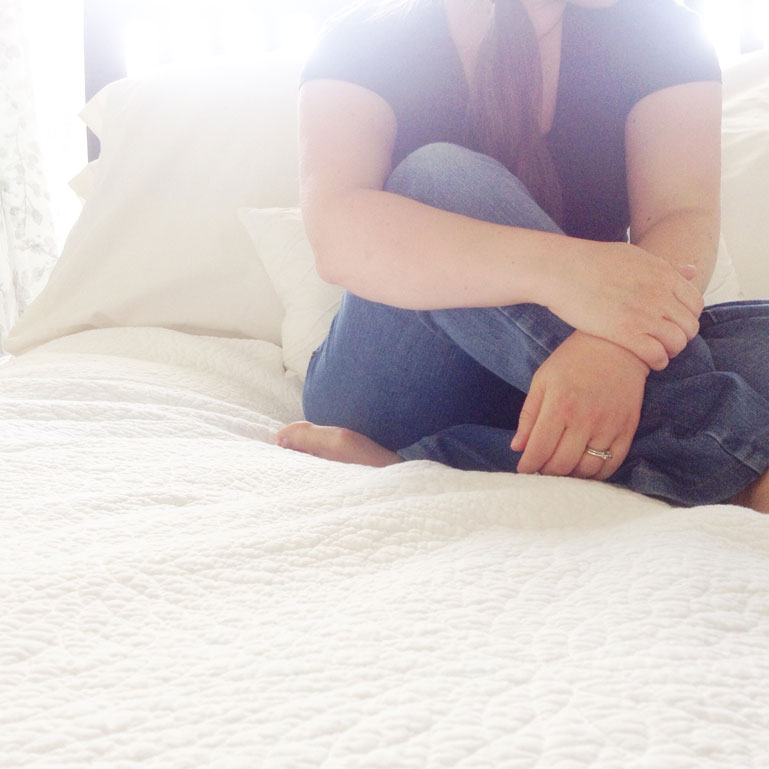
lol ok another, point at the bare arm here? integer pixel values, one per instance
(673, 142)
(390, 249)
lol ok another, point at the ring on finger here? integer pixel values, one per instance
(605, 455)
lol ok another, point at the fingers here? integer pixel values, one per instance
(588, 393)
(690, 297)
(555, 449)
(597, 469)
(527, 418)
(688, 271)
(589, 467)
(568, 453)
(619, 449)
(650, 350)
(664, 314)
(672, 337)
(542, 442)
(688, 323)
(668, 339)
(685, 313)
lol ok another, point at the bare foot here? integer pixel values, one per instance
(756, 496)
(335, 443)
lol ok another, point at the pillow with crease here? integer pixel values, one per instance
(158, 242)
(309, 304)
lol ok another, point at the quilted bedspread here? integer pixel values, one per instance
(176, 591)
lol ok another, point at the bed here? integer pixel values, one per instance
(177, 591)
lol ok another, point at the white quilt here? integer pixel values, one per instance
(177, 592)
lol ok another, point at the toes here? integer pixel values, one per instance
(318, 440)
(291, 436)
(335, 443)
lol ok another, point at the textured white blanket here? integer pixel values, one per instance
(176, 592)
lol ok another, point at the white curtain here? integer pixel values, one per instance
(27, 245)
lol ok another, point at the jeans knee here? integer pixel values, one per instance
(439, 166)
(457, 179)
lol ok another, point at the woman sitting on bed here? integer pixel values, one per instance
(470, 171)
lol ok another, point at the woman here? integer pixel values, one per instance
(470, 170)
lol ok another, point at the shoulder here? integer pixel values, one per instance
(633, 27)
(658, 25)
(642, 21)
(658, 44)
(654, 9)
(368, 39)
(347, 37)
(394, 54)
(661, 21)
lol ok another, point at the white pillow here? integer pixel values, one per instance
(309, 303)
(745, 183)
(724, 284)
(158, 242)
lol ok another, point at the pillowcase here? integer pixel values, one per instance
(158, 242)
(724, 284)
(309, 304)
(745, 182)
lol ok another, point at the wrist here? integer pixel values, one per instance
(556, 267)
(624, 357)
(572, 262)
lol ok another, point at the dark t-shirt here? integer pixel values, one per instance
(611, 58)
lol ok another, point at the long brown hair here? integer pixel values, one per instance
(506, 104)
(505, 96)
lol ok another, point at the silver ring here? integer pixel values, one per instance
(600, 454)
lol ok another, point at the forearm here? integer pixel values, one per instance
(390, 249)
(687, 236)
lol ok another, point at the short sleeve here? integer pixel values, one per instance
(410, 60)
(360, 50)
(664, 44)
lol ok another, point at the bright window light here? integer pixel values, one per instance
(142, 49)
(298, 33)
(190, 39)
(241, 32)
(760, 20)
(55, 35)
(236, 32)
(724, 23)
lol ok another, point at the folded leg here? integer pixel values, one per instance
(448, 385)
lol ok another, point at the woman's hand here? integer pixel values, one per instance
(631, 297)
(588, 393)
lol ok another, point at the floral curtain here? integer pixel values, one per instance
(27, 245)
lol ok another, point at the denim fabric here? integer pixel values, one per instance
(448, 385)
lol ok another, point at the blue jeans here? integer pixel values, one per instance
(448, 385)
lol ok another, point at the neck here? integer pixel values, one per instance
(471, 18)
(545, 15)
(469, 21)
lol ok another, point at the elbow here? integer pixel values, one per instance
(324, 238)
(326, 256)
(325, 269)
